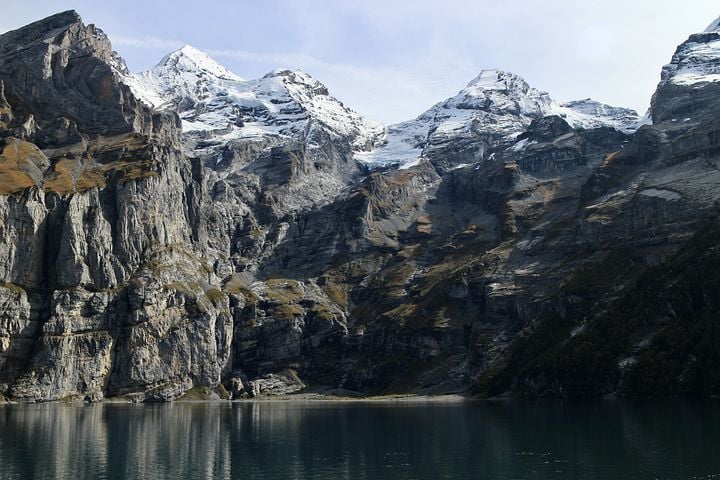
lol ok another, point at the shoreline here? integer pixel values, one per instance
(293, 398)
(320, 398)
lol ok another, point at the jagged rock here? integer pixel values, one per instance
(233, 238)
(283, 383)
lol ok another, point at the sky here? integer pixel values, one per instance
(391, 60)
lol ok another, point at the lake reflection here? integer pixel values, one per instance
(319, 440)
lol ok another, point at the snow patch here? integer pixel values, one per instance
(696, 61)
(211, 99)
(713, 27)
(497, 104)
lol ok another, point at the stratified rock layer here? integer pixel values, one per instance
(185, 233)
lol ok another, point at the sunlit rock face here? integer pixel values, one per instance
(185, 232)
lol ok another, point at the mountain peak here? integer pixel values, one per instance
(298, 78)
(696, 62)
(62, 19)
(190, 59)
(38, 30)
(714, 27)
(487, 78)
(495, 79)
(68, 17)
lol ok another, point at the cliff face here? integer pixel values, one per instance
(97, 192)
(186, 228)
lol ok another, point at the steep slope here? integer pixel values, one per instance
(638, 316)
(185, 231)
(489, 113)
(210, 98)
(126, 264)
(690, 82)
(86, 315)
(283, 130)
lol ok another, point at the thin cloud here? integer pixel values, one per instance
(290, 60)
(153, 43)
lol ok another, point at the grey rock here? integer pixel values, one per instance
(283, 383)
(141, 261)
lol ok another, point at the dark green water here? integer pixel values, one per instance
(480, 440)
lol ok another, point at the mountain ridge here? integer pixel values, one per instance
(230, 241)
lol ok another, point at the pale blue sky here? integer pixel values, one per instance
(390, 60)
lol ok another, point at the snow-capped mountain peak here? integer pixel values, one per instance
(714, 27)
(212, 100)
(182, 78)
(589, 113)
(496, 106)
(697, 61)
(495, 79)
(190, 59)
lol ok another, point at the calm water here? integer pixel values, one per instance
(483, 440)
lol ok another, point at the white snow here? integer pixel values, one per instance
(213, 101)
(402, 145)
(522, 144)
(589, 114)
(713, 27)
(495, 103)
(210, 98)
(696, 61)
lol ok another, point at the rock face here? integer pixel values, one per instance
(283, 132)
(185, 230)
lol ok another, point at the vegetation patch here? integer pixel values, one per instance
(215, 295)
(222, 392)
(283, 291)
(16, 160)
(12, 287)
(77, 175)
(198, 394)
(288, 311)
(337, 292)
(74, 170)
(323, 311)
(235, 286)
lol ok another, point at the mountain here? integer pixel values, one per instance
(490, 112)
(210, 98)
(227, 121)
(186, 232)
(689, 82)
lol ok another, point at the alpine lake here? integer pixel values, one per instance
(392, 439)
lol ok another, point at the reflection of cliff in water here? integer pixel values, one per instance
(603, 439)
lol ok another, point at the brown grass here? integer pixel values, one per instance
(235, 286)
(283, 291)
(77, 168)
(77, 176)
(337, 292)
(15, 155)
(424, 224)
(288, 311)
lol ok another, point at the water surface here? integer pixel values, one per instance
(669, 439)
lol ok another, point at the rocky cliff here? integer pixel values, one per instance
(186, 232)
